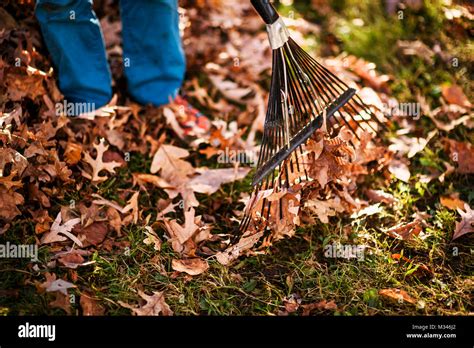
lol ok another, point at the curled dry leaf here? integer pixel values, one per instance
(325, 208)
(291, 303)
(192, 266)
(73, 153)
(368, 211)
(230, 89)
(209, 180)
(152, 238)
(155, 305)
(52, 284)
(398, 295)
(71, 260)
(380, 196)
(405, 231)
(322, 305)
(20, 85)
(399, 170)
(131, 206)
(18, 161)
(452, 201)
(155, 180)
(9, 202)
(409, 145)
(454, 95)
(185, 238)
(170, 117)
(416, 48)
(245, 244)
(177, 176)
(59, 232)
(466, 225)
(168, 160)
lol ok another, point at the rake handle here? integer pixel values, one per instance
(266, 10)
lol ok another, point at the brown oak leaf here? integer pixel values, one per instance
(98, 163)
(59, 232)
(192, 266)
(155, 305)
(466, 225)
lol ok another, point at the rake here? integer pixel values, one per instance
(304, 96)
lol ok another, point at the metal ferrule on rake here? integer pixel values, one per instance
(278, 34)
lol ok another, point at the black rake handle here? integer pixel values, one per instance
(266, 10)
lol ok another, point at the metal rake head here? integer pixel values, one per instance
(304, 96)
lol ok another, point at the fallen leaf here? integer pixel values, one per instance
(398, 295)
(380, 196)
(325, 208)
(291, 303)
(416, 48)
(192, 266)
(209, 180)
(73, 153)
(185, 238)
(454, 95)
(93, 234)
(466, 225)
(230, 89)
(90, 306)
(62, 301)
(71, 260)
(98, 163)
(370, 210)
(9, 202)
(399, 170)
(169, 159)
(245, 243)
(132, 206)
(405, 231)
(410, 146)
(21, 85)
(322, 305)
(58, 231)
(155, 305)
(152, 238)
(463, 154)
(155, 180)
(452, 202)
(52, 284)
(173, 122)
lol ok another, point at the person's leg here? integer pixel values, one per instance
(154, 61)
(74, 39)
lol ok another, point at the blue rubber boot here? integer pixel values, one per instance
(154, 61)
(74, 39)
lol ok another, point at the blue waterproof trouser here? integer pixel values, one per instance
(154, 62)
